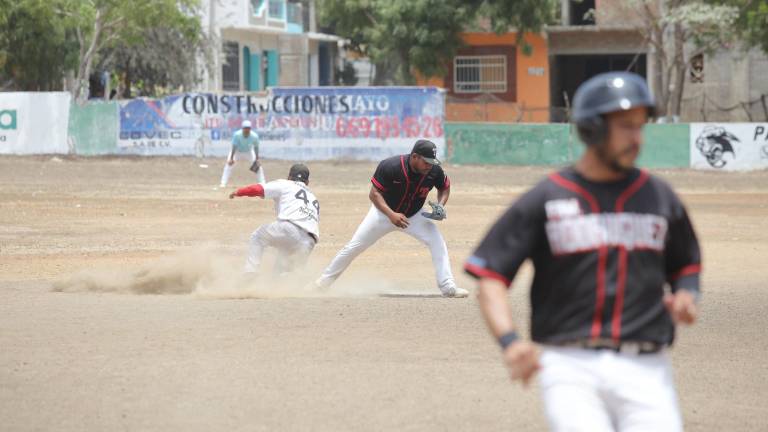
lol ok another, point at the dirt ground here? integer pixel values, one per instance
(121, 307)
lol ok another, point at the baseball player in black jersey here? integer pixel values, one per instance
(399, 188)
(616, 265)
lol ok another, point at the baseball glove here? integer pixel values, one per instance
(438, 212)
(255, 166)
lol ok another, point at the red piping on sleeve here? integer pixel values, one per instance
(251, 191)
(685, 271)
(378, 185)
(484, 273)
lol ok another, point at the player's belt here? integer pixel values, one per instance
(624, 347)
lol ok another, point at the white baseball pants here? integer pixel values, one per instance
(601, 390)
(293, 246)
(375, 225)
(260, 177)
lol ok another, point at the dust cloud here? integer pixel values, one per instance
(210, 273)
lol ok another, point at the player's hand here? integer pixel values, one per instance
(522, 360)
(230, 162)
(682, 306)
(399, 220)
(232, 195)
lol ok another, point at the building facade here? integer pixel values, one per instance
(266, 43)
(597, 36)
(493, 79)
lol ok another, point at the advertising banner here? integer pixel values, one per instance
(729, 146)
(366, 123)
(34, 123)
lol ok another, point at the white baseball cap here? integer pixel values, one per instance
(246, 124)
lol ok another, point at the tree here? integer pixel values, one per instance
(677, 31)
(406, 36)
(104, 23)
(752, 24)
(166, 58)
(35, 48)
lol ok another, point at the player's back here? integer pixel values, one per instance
(295, 202)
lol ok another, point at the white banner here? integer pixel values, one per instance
(34, 123)
(729, 146)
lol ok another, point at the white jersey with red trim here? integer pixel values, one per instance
(295, 203)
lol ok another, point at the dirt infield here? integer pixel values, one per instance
(92, 339)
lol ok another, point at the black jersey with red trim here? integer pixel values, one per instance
(602, 255)
(405, 190)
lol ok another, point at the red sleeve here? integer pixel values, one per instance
(251, 191)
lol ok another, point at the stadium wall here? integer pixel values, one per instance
(93, 128)
(666, 145)
(34, 123)
(49, 123)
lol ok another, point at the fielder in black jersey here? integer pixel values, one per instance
(399, 187)
(616, 264)
(404, 189)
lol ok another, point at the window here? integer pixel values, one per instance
(480, 74)
(276, 9)
(230, 70)
(697, 69)
(582, 12)
(256, 6)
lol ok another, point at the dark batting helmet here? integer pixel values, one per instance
(606, 93)
(299, 172)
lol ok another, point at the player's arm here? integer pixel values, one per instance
(381, 181)
(443, 195)
(444, 191)
(256, 190)
(494, 263)
(683, 258)
(233, 148)
(231, 156)
(397, 219)
(521, 356)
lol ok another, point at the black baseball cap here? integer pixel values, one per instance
(426, 149)
(299, 172)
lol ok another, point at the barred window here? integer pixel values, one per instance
(480, 74)
(230, 70)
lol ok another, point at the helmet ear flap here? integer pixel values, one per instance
(593, 130)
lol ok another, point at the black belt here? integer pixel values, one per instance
(624, 347)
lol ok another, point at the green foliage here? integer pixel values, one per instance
(41, 39)
(753, 22)
(35, 47)
(403, 36)
(105, 26)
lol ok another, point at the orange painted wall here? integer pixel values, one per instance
(532, 90)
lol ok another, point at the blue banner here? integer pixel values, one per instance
(293, 123)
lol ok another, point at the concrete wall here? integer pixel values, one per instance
(666, 145)
(94, 128)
